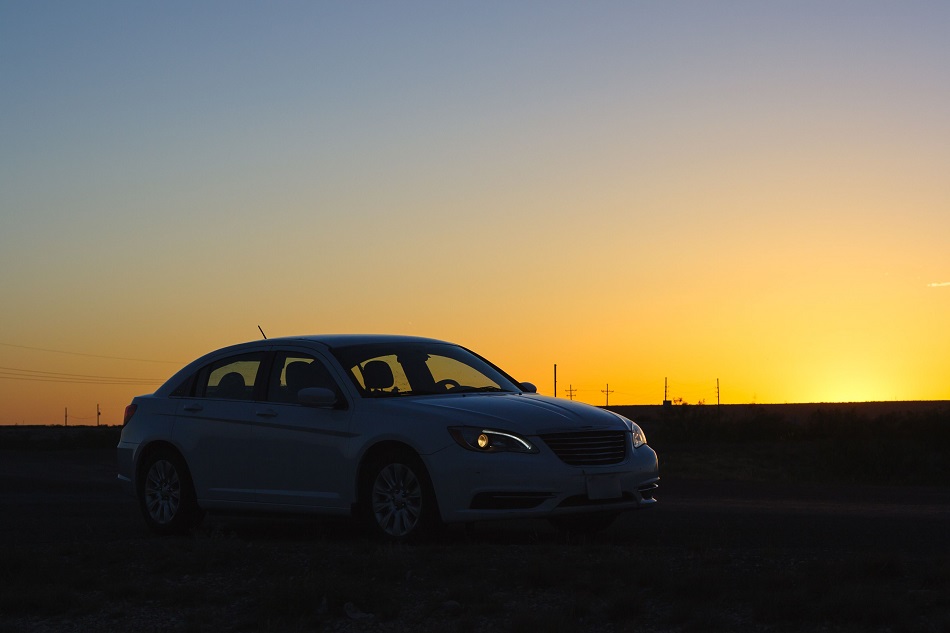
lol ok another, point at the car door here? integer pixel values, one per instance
(214, 427)
(300, 451)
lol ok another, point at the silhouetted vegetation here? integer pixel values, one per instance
(58, 437)
(826, 443)
(835, 443)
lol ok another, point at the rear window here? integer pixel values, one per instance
(233, 378)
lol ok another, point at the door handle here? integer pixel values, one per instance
(266, 413)
(193, 407)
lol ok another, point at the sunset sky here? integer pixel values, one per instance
(754, 192)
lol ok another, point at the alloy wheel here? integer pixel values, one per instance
(162, 492)
(397, 500)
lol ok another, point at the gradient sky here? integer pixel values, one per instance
(755, 192)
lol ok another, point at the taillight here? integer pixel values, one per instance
(129, 412)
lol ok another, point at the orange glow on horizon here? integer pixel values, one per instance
(763, 202)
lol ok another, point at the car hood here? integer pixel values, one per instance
(528, 414)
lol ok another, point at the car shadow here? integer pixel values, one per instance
(289, 528)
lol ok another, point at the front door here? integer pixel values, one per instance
(301, 451)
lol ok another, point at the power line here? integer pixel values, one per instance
(59, 351)
(13, 373)
(130, 383)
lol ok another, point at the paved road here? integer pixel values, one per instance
(63, 496)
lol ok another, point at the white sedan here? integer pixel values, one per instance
(405, 433)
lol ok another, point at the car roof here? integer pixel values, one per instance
(330, 341)
(345, 340)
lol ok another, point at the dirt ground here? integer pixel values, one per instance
(49, 496)
(59, 497)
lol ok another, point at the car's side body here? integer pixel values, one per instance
(263, 450)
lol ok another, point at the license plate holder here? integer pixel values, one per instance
(601, 487)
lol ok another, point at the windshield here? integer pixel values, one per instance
(414, 369)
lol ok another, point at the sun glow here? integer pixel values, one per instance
(847, 380)
(607, 193)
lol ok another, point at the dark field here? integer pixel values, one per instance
(765, 522)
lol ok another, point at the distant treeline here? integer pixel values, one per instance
(58, 437)
(880, 443)
(889, 443)
(758, 422)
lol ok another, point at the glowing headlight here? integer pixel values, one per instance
(490, 440)
(637, 436)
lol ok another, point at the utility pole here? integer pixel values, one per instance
(98, 413)
(718, 403)
(607, 391)
(571, 391)
(65, 416)
(555, 380)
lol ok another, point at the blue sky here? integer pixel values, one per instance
(744, 190)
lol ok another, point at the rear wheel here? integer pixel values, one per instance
(397, 499)
(166, 494)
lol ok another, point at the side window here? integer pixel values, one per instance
(294, 371)
(400, 381)
(185, 389)
(232, 378)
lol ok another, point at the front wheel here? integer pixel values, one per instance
(166, 494)
(397, 499)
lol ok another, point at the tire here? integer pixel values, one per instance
(397, 501)
(166, 493)
(583, 524)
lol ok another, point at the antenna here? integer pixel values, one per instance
(262, 332)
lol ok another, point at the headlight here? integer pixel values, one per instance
(475, 438)
(637, 436)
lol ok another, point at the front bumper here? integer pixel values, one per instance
(474, 486)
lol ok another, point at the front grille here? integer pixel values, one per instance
(589, 448)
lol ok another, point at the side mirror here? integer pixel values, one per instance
(527, 387)
(317, 397)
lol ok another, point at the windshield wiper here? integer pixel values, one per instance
(476, 390)
(420, 392)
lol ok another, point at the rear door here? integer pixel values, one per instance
(214, 426)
